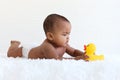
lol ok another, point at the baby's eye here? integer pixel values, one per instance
(64, 34)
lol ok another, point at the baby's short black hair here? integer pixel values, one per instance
(51, 20)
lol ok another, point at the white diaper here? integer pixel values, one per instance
(26, 48)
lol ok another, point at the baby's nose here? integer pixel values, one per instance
(67, 37)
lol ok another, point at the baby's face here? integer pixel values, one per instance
(61, 33)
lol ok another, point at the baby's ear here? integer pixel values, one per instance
(50, 36)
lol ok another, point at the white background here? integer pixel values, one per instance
(96, 21)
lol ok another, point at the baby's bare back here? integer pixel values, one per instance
(46, 50)
(36, 53)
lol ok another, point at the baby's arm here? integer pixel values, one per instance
(75, 53)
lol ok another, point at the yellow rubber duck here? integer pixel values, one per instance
(90, 52)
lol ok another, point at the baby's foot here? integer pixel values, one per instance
(14, 49)
(15, 42)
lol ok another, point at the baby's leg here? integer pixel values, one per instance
(14, 50)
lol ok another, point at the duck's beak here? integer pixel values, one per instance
(84, 47)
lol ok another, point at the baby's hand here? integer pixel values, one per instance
(84, 57)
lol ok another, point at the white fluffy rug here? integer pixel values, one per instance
(27, 69)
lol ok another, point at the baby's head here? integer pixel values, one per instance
(57, 29)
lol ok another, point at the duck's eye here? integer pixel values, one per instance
(88, 45)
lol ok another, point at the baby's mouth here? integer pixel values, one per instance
(67, 41)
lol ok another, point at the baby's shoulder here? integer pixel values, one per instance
(46, 45)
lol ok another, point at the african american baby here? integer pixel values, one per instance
(57, 29)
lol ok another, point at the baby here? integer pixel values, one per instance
(57, 29)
